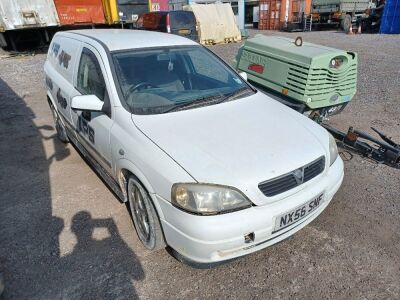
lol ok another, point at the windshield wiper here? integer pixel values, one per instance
(216, 99)
(239, 92)
(198, 102)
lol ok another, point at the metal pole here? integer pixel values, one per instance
(241, 14)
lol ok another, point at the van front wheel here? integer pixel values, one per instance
(144, 216)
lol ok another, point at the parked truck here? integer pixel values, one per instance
(338, 13)
(126, 11)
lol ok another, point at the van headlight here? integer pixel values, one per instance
(207, 199)
(333, 151)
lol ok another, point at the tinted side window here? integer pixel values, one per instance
(90, 77)
(182, 19)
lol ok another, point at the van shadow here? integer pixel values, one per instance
(30, 259)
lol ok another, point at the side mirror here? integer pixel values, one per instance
(87, 103)
(243, 75)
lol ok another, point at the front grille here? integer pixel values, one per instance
(295, 178)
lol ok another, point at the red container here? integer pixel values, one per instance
(270, 11)
(75, 12)
(273, 12)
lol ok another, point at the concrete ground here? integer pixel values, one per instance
(63, 234)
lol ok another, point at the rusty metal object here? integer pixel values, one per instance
(384, 151)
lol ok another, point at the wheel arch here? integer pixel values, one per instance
(51, 101)
(126, 168)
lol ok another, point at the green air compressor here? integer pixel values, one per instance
(305, 76)
(313, 79)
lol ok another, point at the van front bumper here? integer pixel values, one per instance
(209, 239)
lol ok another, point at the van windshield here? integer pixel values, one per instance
(154, 81)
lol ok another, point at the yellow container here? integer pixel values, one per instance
(111, 11)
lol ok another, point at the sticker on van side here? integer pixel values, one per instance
(64, 58)
(61, 100)
(49, 83)
(54, 49)
(86, 129)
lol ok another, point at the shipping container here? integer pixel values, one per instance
(277, 14)
(128, 9)
(26, 21)
(21, 14)
(390, 22)
(80, 12)
(270, 11)
(296, 9)
(295, 13)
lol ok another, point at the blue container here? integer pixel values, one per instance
(390, 22)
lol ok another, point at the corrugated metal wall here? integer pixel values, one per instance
(72, 12)
(390, 22)
(270, 11)
(18, 14)
(275, 13)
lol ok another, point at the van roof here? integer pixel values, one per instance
(123, 39)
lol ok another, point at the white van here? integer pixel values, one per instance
(209, 165)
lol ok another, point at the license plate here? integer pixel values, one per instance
(184, 31)
(298, 213)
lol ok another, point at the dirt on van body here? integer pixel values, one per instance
(63, 234)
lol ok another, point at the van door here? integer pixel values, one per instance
(93, 128)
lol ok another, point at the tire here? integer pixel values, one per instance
(346, 23)
(61, 131)
(144, 216)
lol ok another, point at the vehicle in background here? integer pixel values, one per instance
(176, 22)
(337, 13)
(371, 21)
(24, 21)
(126, 11)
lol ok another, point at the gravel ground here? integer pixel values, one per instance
(63, 234)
